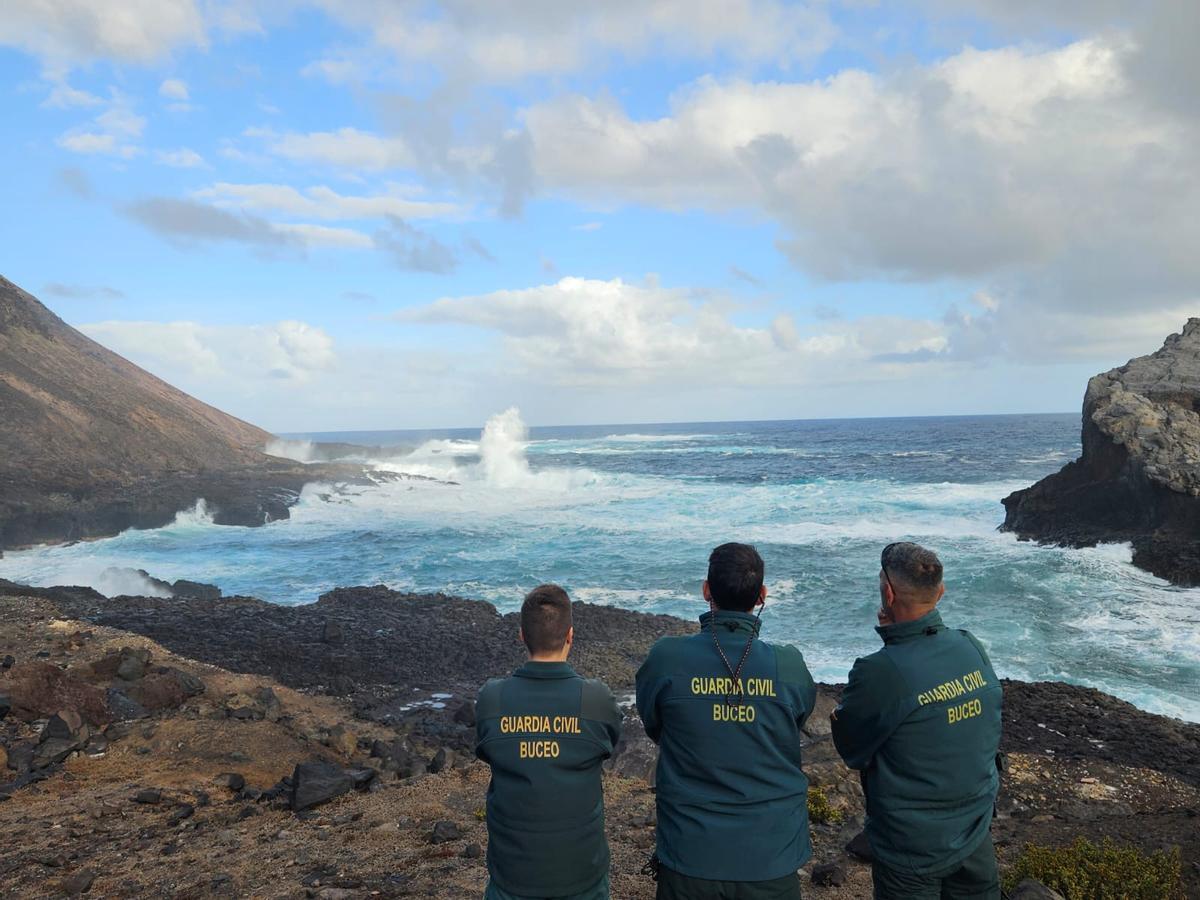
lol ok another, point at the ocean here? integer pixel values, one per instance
(626, 515)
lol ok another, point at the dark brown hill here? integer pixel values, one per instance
(91, 444)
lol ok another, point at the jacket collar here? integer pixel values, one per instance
(726, 620)
(930, 623)
(545, 670)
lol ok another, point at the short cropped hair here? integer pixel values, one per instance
(913, 564)
(735, 577)
(546, 618)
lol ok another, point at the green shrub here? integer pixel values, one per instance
(1109, 871)
(819, 808)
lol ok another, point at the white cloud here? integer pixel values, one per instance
(183, 158)
(1039, 175)
(174, 89)
(68, 32)
(585, 332)
(290, 350)
(113, 131)
(88, 142)
(321, 202)
(345, 148)
(324, 236)
(63, 96)
(505, 42)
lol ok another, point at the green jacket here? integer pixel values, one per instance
(732, 798)
(921, 718)
(545, 733)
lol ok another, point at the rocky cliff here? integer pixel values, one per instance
(1138, 479)
(91, 444)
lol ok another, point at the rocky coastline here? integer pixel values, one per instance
(1138, 478)
(198, 745)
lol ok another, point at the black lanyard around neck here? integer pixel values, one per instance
(737, 692)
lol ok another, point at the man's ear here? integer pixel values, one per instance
(889, 595)
(704, 589)
(762, 595)
(570, 636)
(521, 635)
(941, 592)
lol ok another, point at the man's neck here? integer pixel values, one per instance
(902, 613)
(548, 657)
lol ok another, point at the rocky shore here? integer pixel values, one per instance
(195, 746)
(1138, 478)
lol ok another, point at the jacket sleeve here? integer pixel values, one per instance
(650, 684)
(874, 703)
(793, 671)
(598, 705)
(487, 708)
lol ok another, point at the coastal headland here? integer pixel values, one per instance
(91, 444)
(1138, 478)
(192, 747)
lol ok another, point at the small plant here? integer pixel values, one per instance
(1108, 871)
(819, 808)
(480, 813)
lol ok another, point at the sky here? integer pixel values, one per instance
(327, 215)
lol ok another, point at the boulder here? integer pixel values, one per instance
(440, 760)
(157, 692)
(124, 708)
(829, 874)
(20, 757)
(860, 848)
(444, 832)
(148, 796)
(1138, 478)
(317, 782)
(132, 665)
(635, 755)
(231, 780)
(195, 590)
(66, 724)
(79, 883)
(38, 690)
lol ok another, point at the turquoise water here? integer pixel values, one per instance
(626, 516)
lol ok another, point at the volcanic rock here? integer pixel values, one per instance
(444, 832)
(195, 590)
(829, 874)
(79, 883)
(317, 782)
(38, 690)
(231, 780)
(1138, 478)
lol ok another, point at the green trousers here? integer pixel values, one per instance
(673, 886)
(975, 878)
(599, 892)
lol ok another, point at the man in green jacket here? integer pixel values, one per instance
(921, 719)
(545, 732)
(726, 710)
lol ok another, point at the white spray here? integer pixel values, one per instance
(502, 449)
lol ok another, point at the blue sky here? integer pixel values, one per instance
(340, 214)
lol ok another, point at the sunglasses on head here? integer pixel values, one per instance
(883, 562)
